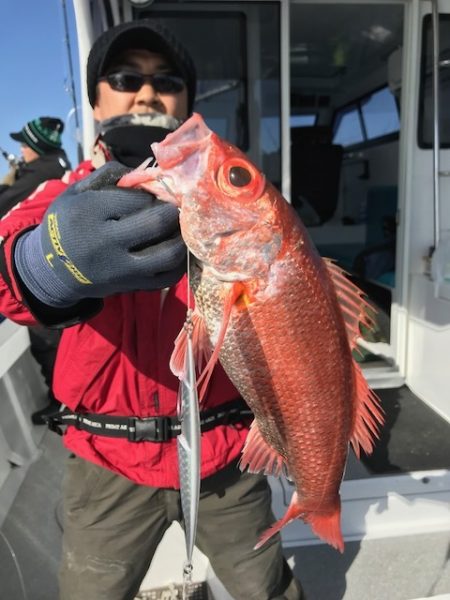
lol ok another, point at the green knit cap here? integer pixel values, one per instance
(43, 135)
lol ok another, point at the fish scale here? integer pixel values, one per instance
(282, 321)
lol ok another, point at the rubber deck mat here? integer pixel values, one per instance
(414, 437)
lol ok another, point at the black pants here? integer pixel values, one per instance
(113, 527)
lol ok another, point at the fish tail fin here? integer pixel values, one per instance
(369, 415)
(327, 526)
(293, 512)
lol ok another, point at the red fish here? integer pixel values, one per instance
(282, 320)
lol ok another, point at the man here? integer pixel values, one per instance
(43, 158)
(80, 269)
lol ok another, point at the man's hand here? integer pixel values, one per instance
(97, 239)
(10, 177)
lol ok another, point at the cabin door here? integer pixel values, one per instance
(345, 131)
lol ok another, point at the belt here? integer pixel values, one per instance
(149, 429)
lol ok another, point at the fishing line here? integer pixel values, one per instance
(16, 563)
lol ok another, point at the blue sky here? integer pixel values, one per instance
(34, 69)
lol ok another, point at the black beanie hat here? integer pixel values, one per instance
(142, 34)
(43, 135)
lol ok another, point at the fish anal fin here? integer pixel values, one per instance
(235, 292)
(369, 415)
(258, 456)
(200, 345)
(355, 308)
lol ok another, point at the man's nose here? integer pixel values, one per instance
(146, 94)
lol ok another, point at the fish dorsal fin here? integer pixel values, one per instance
(234, 293)
(200, 345)
(355, 310)
(258, 456)
(369, 414)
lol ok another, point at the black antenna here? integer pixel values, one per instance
(72, 82)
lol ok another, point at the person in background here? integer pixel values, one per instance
(92, 258)
(43, 158)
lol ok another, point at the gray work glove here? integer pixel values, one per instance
(97, 239)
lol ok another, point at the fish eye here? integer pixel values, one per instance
(239, 176)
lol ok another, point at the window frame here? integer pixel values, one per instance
(426, 30)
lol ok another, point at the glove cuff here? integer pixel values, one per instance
(37, 274)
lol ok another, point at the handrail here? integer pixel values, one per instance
(436, 121)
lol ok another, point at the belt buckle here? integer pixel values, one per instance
(52, 424)
(153, 429)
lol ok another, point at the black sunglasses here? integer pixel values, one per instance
(131, 81)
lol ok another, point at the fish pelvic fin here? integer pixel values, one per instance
(200, 345)
(369, 415)
(326, 525)
(235, 292)
(258, 456)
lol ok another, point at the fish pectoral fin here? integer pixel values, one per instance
(200, 345)
(258, 456)
(235, 292)
(369, 414)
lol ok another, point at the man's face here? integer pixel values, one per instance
(112, 103)
(28, 153)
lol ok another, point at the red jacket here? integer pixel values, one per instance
(117, 363)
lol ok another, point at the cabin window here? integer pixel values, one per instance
(348, 127)
(307, 120)
(222, 89)
(372, 117)
(236, 49)
(426, 113)
(380, 114)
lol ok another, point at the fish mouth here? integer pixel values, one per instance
(177, 146)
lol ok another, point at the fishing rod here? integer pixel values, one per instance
(71, 87)
(12, 159)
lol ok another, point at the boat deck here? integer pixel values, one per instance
(394, 568)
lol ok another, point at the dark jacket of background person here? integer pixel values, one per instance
(30, 176)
